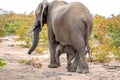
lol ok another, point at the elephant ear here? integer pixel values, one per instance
(44, 12)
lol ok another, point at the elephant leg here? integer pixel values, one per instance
(59, 51)
(52, 47)
(73, 66)
(58, 59)
(53, 62)
(68, 60)
(83, 66)
(70, 56)
(57, 54)
(80, 65)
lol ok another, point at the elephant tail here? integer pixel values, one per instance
(88, 29)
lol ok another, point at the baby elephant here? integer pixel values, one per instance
(65, 49)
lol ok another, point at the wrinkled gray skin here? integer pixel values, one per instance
(65, 49)
(70, 53)
(68, 24)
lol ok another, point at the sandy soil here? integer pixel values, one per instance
(12, 54)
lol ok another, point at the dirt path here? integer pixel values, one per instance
(12, 54)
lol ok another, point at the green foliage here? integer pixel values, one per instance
(2, 63)
(23, 32)
(11, 26)
(102, 53)
(114, 33)
(98, 19)
(114, 30)
(2, 30)
(35, 62)
(24, 35)
(9, 22)
(105, 37)
(28, 62)
(116, 51)
(2, 33)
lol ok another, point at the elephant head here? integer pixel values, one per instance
(41, 19)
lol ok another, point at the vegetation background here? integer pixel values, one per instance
(104, 41)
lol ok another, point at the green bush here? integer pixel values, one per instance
(116, 51)
(114, 32)
(2, 33)
(2, 63)
(23, 33)
(105, 37)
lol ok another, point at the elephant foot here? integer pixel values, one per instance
(53, 65)
(71, 69)
(83, 70)
(58, 64)
(69, 64)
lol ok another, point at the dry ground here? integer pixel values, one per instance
(12, 54)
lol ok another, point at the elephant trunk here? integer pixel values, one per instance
(36, 31)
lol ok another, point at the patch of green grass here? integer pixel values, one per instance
(34, 62)
(29, 61)
(117, 58)
(2, 63)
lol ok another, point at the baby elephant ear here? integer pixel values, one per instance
(44, 11)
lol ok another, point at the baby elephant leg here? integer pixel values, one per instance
(59, 50)
(70, 55)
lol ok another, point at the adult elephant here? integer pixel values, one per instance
(68, 24)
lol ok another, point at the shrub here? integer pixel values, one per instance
(114, 32)
(24, 35)
(116, 51)
(2, 33)
(105, 37)
(2, 63)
